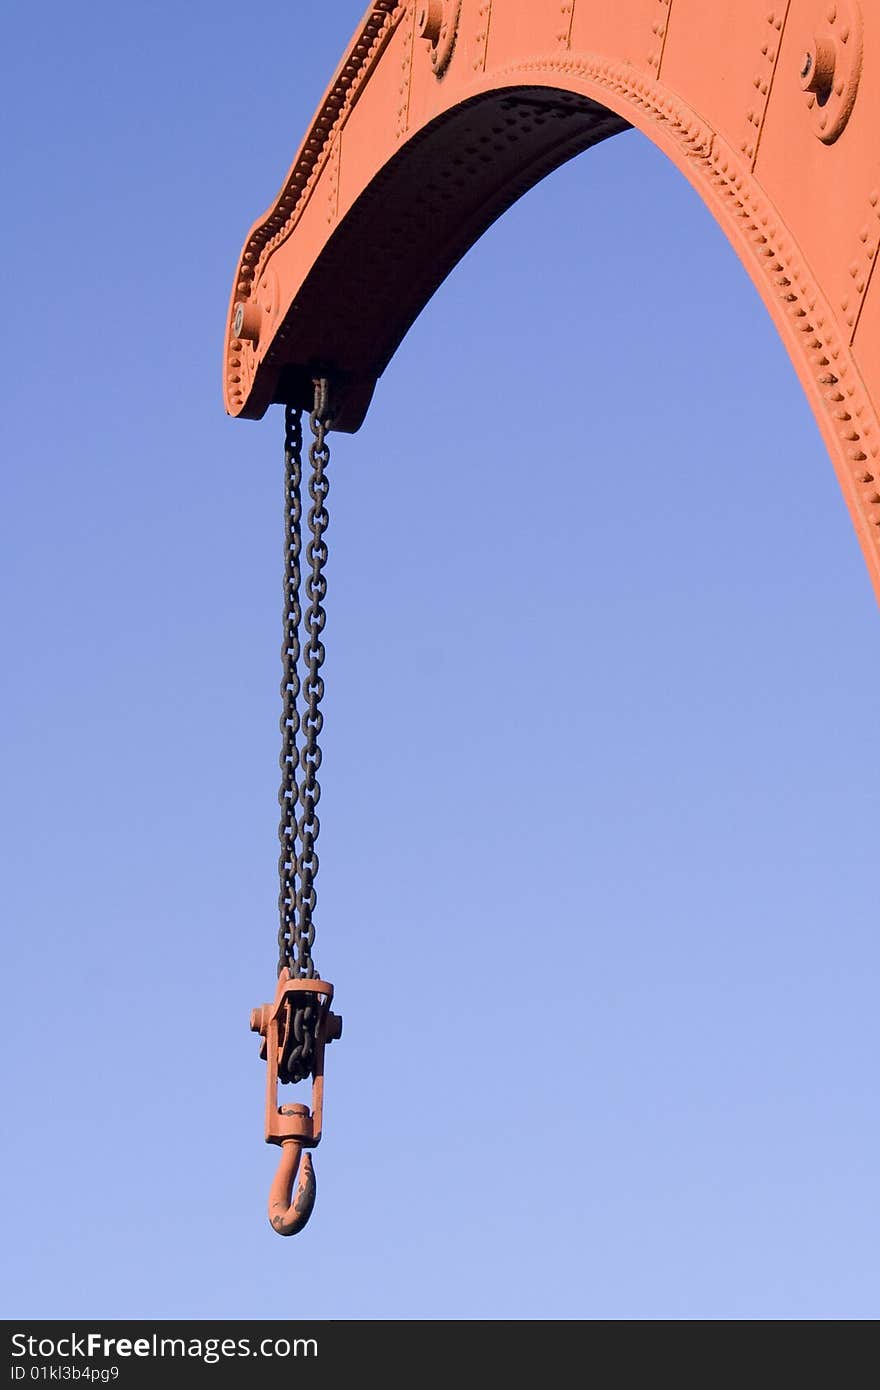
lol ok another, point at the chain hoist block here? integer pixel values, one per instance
(294, 1127)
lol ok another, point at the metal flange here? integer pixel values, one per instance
(437, 24)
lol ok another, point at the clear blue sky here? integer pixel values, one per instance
(599, 831)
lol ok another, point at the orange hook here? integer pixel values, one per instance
(289, 1214)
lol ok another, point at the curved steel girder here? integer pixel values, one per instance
(442, 114)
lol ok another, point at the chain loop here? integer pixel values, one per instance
(300, 790)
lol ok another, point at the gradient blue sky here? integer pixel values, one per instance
(599, 845)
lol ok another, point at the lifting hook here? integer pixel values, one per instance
(288, 1214)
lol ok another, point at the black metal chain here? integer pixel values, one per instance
(288, 794)
(309, 826)
(300, 789)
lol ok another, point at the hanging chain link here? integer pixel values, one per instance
(300, 790)
(288, 794)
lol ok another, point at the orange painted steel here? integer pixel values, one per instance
(294, 1127)
(443, 112)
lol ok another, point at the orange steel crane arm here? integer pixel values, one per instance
(443, 112)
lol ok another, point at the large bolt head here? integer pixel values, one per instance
(246, 321)
(430, 19)
(817, 70)
(260, 1018)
